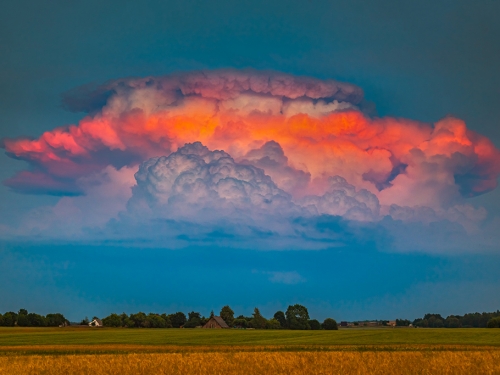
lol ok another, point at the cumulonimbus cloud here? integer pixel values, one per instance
(307, 141)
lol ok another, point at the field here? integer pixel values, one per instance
(176, 351)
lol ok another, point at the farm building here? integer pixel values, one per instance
(216, 322)
(96, 323)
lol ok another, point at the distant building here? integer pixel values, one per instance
(96, 323)
(391, 323)
(343, 324)
(216, 322)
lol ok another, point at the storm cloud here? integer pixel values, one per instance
(265, 150)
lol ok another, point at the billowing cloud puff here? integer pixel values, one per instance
(195, 178)
(289, 147)
(465, 214)
(342, 199)
(271, 158)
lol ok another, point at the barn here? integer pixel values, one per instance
(216, 322)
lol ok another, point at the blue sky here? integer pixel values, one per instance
(352, 283)
(417, 60)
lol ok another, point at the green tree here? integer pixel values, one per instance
(191, 324)
(56, 320)
(258, 321)
(194, 315)
(22, 312)
(9, 319)
(493, 323)
(126, 321)
(280, 317)
(194, 320)
(273, 324)
(36, 320)
(168, 322)
(402, 322)
(424, 323)
(430, 320)
(85, 321)
(139, 319)
(112, 320)
(178, 319)
(155, 321)
(330, 324)
(1, 320)
(22, 320)
(203, 320)
(297, 317)
(227, 314)
(435, 321)
(452, 322)
(314, 324)
(240, 323)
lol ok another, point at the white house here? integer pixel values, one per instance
(96, 323)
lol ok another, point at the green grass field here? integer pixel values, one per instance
(10, 337)
(383, 351)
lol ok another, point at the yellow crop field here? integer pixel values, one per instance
(249, 363)
(191, 352)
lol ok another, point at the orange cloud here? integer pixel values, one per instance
(319, 126)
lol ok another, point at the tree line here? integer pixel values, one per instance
(471, 320)
(295, 317)
(24, 319)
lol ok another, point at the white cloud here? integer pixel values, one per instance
(195, 178)
(290, 277)
(342, 199)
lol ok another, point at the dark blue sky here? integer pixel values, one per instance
(420, 60)
(352, 283)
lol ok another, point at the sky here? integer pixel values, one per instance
(340, 155)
